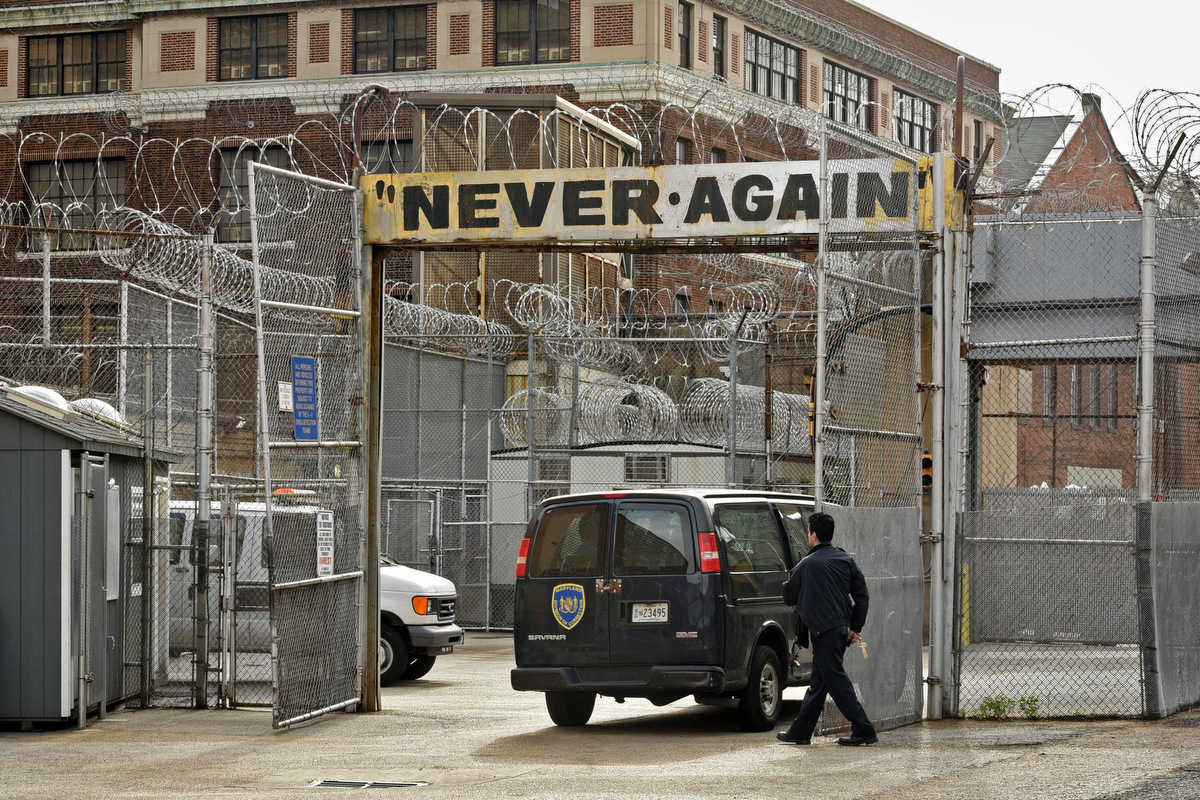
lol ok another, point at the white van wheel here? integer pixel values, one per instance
(393, 655)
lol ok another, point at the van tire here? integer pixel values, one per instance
(393, 655)
(570, 709)
(760, 702)
(418, 667)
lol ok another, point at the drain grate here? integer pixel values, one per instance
(328, 783)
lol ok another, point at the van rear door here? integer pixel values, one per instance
(561, 609)
(662, 609)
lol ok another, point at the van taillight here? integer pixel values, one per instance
(710, 561)
(523, 557)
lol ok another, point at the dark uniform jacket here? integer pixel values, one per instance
(828, 590)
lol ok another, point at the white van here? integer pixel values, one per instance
(416, 608)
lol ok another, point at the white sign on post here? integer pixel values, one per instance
(324, 543)
(285, 396)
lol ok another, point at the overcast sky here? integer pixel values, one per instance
(1115, 49)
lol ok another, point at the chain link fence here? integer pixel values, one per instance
(1067, 580)
(510, 376)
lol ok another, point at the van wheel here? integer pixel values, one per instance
(393, 655)
(418, 667)
(570, 709)
(760, 702)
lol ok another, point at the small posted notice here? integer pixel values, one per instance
(324, 543)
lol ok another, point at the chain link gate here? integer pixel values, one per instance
(306, 244)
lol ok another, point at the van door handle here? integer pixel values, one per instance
(611, 586)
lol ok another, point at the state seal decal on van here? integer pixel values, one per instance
(567, 604)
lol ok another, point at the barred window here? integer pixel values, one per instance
(1049, 394)
(83, 63)
(685, 35)
(389, 39)
(1112, 397)
(718, 45)
(773, 68)
(68, 195)
(253, 48)
(847, 96)
(233, 188)
(532, 31)
(916, 122)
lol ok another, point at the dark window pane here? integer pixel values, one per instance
(751, 537)
(235, 57)
(272, 47)
(570, 542)
(371, 40)
(653, 539)
(410, 38)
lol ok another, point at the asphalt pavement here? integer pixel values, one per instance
(463, 733)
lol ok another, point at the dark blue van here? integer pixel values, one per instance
(660, 594)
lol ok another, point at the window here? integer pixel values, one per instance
(1076, 393)
(847, 96)
(683, 304)
(69, 194)
(1112, 397)
(772, 68)
(653, 539)
(233, 190)
(751, 538)
(649, 467)
(717, 156)
(253, 48)
(389, 158)
(532, 31)
(1049, 394)
(977, 141)
(685, 35)
(389, 39)
(83, 63)
(916, 122)
(795, 525)
(716, 306)
(175, 526)
(570, 542)
(718, 46)
(1094, 397)
(683, 151)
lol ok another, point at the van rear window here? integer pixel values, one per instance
(570, 542)
(653, 539)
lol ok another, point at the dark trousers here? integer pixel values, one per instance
(829, 678)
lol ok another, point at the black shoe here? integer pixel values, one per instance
(855, 741)
(783, 736)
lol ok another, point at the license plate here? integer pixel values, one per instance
(650, 612)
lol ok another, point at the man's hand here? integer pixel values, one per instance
(855, 637)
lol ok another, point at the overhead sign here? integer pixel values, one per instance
(629, 203)
(304, 397)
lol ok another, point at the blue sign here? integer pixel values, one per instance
(304, 396)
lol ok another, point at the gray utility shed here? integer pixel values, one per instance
(70, 485)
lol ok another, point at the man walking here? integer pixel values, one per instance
(830, 595)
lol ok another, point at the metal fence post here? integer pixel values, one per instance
(938, 587)
(1145, 439)
(818, 392)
